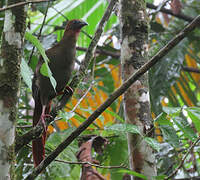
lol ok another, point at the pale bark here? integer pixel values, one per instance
(11, 50)
(134, 48)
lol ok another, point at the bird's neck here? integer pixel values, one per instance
(69, 40)
(71, 35)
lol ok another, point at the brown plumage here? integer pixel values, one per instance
(62, 59)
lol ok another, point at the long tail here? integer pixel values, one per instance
(39, 143)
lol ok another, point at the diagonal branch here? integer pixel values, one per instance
(21, 4)
(167, 11)
(170, 45)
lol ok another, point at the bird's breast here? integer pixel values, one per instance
(62, 72)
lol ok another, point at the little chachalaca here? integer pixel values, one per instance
(62, 59)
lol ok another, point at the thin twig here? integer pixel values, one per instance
(24, 126)
(182, 161)
(171, 44)
(160, 6)
(122, 166)
(90, 37)
(190, 69)
(92, 83)
(81, 99)
(21, 4)
(115, 54)
(168, 11)
(60, 13)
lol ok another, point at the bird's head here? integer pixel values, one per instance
(74, 26)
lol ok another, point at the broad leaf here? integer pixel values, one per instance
(115, 115)
(170, 135)
(153, 143)
(172, 110)
(133, 173)
(126, 128)
(26, 73)
(185, 127)
(162, 119)
(194, 114)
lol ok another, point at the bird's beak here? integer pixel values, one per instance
(82, 24)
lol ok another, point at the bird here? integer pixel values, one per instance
(61, 64)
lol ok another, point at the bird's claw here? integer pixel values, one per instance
(68, 90)
(43, 116)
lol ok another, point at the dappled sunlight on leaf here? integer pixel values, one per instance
(184, 95)
(192, 63)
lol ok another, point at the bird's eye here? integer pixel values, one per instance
(75, 22)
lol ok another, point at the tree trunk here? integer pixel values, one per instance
(11, 50)
(134, 47)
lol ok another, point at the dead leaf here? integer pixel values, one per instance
(176, 6)
(85, 155)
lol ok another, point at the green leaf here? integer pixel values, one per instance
(149, 1)
(116, 153)
(69, 154)
(172, 110)
(26, 73)
(153, 143)
(157, 27)
(161, 119)
(161, 177)
(42, 7)
(45, 70)
(133, 173)
(127, 128)
(79, 118)
(34, 62)
(37, 44)
(185, 127)
(105, 75)
(66, 115)
(53, 82)
(57, 137)
(170, 135)
(194, 114)
(115, 115)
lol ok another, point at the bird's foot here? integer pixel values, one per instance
(68, 90)
(43, 116)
